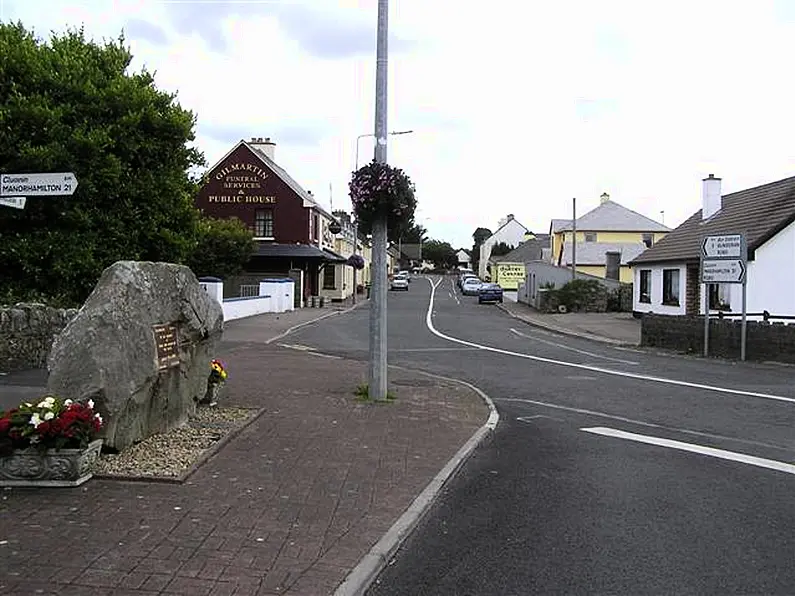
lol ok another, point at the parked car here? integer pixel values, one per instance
(470, 286)
(406, 273)
(399, 282)
(489, 293)
(463, 277)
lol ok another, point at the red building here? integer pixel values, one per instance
(290, 228)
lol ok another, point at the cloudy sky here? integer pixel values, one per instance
(516, 105)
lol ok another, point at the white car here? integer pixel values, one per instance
(399, 282)
(470, 286)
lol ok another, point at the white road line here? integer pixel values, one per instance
(692, 448)
(606, 371)
(454, 293)
(565, 347)
(433, 350)
(683, 431)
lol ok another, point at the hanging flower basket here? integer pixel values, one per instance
(379, 190)
(356, 261)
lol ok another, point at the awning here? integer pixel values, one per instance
(296, 251)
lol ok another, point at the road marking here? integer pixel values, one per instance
(565, 347)
(296, 347)
(683, 431)
(454, 293)
(530, 418)
(606, 371)
(434, 350)
(751, 460)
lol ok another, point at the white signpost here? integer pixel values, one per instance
(38, 185)
(724, 260)
(15, 202)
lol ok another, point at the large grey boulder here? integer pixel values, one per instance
(109, 351)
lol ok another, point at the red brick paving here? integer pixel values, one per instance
(289, 506)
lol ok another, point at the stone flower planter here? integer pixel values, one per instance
(63, 467)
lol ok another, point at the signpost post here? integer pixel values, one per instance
(724, 260)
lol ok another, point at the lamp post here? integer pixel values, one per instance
(360, 137)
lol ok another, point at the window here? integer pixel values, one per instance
(670, 287)
(590, 236)
(263, 223)
(316, 233)
(648, 240)
(645, 286)
(329, 277)
(720, 297)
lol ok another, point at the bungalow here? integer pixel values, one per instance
(510, 231)
(667, 276)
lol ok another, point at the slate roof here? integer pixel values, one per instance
(760, 213)
(593, 253)
(610, 217)
(529, 250)
(294, 251)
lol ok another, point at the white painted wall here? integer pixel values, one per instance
(512, 234)
(656, 306)
(771, 277)
(237, 308)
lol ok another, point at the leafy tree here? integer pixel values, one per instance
(223, 246)
(479, 236)
(416, 234)
(500, 249)
(69, 105)
(441, 254)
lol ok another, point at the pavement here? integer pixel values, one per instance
(615, 328)
(311, 498)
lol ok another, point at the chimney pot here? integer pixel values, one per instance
(265, 146)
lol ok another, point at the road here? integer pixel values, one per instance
(612, 471)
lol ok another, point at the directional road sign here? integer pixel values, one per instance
(38, 185)
(723, 271)
(15, 202)
(729, 246)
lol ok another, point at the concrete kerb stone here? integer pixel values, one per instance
(570, 332)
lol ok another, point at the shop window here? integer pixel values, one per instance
(590, 236)
(645, 286)
(670, 287)
(329, 277)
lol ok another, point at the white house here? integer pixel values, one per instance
(510, 231)
(463, 258)
(666, 277)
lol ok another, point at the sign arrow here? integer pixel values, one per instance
(723, 271)
(729, 246)
(38, 185)
(15, 202)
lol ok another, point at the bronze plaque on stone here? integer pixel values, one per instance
(167, 343)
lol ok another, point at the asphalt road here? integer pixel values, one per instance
(612, 471)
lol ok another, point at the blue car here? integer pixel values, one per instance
(489, 293)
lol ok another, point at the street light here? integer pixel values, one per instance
(360, 137)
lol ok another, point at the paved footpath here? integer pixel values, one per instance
(289, 506)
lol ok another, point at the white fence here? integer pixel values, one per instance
(275, 295)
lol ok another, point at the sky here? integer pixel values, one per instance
(516, 106)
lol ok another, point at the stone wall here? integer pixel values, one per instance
(27, 332)
(764, 341)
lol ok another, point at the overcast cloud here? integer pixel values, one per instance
(517, 106)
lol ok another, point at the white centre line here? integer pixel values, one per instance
(692, 448)
(605, 371)
(565, 347)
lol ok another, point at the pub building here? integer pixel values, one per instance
(290, 228)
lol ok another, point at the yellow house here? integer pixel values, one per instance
(610, 227)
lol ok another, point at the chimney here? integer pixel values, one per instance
(604, 198)
(265, 146)
(710, 197)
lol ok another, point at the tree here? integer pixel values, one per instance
(500, 249)
(441, 254)
(416, 234)
(69, 105)
(479, 236)
(223, 246)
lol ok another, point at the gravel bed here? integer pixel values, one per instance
(171, 454)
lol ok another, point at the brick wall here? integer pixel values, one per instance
(764, 341)
(27, 332)
(693, 291)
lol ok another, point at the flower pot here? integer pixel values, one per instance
(54, 467)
